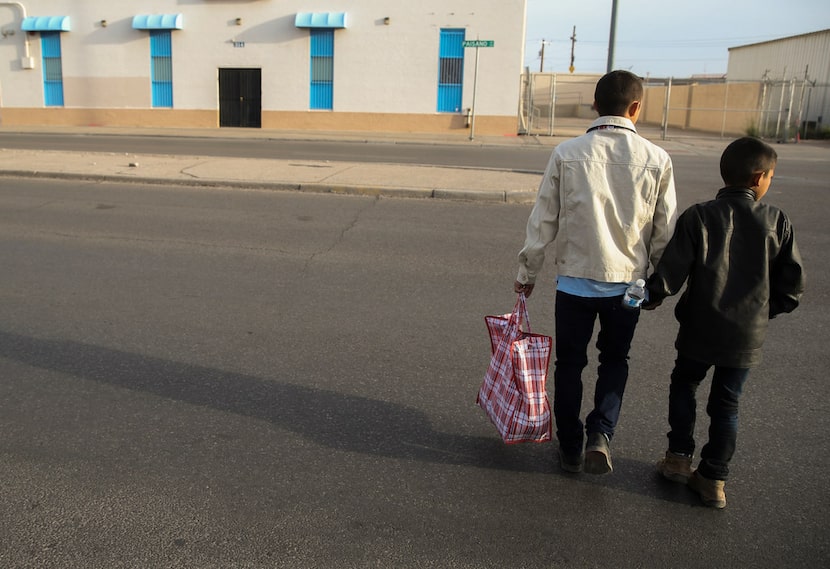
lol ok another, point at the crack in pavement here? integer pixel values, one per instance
(348, 227)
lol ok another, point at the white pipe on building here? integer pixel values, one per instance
(22, 17)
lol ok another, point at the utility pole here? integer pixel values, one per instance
(573, 41)
(612, 39)
(542, 55)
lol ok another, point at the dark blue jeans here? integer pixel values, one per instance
(722, 408)
(575, 317)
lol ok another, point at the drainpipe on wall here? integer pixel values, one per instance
(26, 62)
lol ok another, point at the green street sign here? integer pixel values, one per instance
(478, 43)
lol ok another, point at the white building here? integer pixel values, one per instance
(290, 64)
(796, 70)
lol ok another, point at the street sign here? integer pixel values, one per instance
(478, 43)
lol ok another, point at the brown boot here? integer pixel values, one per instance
(710, 491)
(675, 467)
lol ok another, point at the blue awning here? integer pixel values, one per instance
(320, 20)
(158, 22)
(45, 24)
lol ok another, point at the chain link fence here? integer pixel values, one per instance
(779, 109)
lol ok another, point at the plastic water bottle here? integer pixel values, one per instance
(634, 295)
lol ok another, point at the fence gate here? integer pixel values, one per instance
(783, 105)
(545, 97)
(537, 107)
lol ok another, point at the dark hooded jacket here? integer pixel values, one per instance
(743, 267)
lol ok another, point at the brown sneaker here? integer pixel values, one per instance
(675, 467)
(598, 454)
(710, 491)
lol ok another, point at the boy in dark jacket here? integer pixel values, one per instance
(742, 268)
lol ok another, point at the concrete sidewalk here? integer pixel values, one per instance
(321, 176)
(389, 180)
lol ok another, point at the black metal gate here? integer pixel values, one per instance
(240, 97)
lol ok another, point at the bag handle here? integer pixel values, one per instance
(520, 313)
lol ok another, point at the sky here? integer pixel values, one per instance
(661, 38)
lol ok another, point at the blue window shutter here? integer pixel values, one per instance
(321, 92)
(161, 72)
(450, 70)
(52, 69)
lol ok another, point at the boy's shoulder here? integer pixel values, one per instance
(760, 210)
(702, 210)
(695, 211)
(631, 139)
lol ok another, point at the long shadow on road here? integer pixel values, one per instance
(335, 420)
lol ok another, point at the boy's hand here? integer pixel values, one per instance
(651, 304)
(519, 288)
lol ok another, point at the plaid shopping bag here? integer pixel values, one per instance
(513, 393)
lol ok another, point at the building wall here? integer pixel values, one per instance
(777, 89)
(386, 63)
(782, 59)
(802, 60)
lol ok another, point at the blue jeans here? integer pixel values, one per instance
(722, 408)
(575, 317)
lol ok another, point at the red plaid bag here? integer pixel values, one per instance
(513, 392)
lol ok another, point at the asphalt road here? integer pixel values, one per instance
(207, 378)
(516, 158)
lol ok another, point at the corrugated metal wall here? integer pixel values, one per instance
(783, 59)
(799, 63)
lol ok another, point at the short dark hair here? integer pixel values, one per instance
(616, 91)
(745, 157)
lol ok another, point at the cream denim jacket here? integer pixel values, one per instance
(608, 204)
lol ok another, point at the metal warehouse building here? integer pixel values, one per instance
(291, 64)
(795, 72)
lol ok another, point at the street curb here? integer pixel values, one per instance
(511, 197)
(375, 191)
(69, 176)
